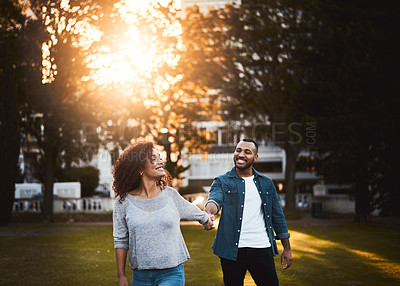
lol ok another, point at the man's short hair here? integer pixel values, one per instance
(252, 141)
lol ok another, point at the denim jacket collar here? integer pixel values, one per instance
(233, 174)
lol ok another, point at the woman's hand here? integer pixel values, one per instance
(209, 225)
(123, 281)
(120, 255)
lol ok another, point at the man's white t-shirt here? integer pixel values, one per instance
(254, 233)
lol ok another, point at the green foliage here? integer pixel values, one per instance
(87, 176)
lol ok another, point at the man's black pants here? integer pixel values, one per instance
(259, 262)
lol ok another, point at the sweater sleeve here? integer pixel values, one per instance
(120, 228)
(188, 210)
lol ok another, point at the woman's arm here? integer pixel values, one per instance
(121, 241)
(188, 210)
(120, 255)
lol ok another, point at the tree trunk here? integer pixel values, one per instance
(363, 199)
(292, 151)
(9, 144)
(50, 159)
(167, 147)
(9, 172)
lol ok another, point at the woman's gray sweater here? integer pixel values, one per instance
(150, 229)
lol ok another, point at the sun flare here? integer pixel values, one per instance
(126, 55)
(135, 57)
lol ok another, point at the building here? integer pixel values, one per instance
(204, 5)
(271, 162)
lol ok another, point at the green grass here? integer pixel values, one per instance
(63, 217)
(72, 254)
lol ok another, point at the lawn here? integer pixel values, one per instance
(76, 254)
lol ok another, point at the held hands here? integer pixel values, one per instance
(209, 225)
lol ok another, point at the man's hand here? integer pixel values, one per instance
(286, 255)
(211, 208)
(209, 225)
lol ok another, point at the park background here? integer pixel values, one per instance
(314, 81)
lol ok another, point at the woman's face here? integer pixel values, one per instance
(154, 167)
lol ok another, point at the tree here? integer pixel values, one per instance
(175, 103)
(256, 57)
(58, 98)
(156, 102)
(354, 100)
(12, 22)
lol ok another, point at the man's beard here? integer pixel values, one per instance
(244, 167)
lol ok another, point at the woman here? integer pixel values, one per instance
(146, 218)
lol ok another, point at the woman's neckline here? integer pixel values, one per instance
(142, 198)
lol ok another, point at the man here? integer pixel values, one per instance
(251, 212)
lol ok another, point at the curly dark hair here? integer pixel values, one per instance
(126, 172)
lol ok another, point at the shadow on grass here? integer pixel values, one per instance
(343, 255)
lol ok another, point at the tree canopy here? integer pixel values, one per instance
(70, 80)
(257, 56)
(354, 99)
(66, 110)
(293, 62)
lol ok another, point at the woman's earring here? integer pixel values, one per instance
(141, 173)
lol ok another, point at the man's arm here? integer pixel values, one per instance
(215, 198)
(286, 253)
(280, 228)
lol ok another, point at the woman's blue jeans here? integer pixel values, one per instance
(174, 276)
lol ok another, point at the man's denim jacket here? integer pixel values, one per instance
(227, 192)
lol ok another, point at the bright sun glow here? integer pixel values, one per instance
(130, 61)
(135, 58)
(135, 5)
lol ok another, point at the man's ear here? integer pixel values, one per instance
(255, 158)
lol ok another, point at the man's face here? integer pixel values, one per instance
(245, 155)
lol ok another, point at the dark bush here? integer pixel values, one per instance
(87, 176)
